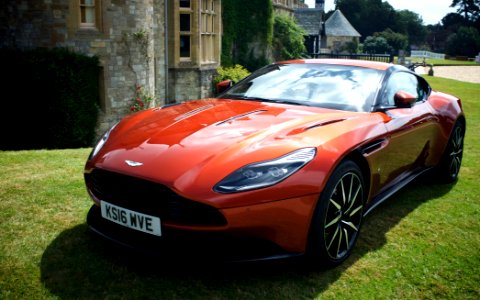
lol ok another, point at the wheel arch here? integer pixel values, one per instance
(357, 157)
(461, 119)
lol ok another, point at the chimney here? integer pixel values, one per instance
(320, 4)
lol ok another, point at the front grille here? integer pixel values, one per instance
(151, 198)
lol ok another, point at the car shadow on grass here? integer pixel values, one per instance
(76, 265)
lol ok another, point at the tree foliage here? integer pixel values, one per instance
(410, 24)
(378, 18)
(382, 16)
(288, 38)
(376, 45)
(465, 42)
(368, 16)
(469, 9)
(396, 40)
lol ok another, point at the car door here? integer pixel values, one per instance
(409, 132)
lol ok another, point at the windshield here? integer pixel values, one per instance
(321, 85)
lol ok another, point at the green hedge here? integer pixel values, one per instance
(49, 98)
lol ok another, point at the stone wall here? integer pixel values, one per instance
(129, 41)
(191, 83)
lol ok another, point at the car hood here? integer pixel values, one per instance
(205, 140)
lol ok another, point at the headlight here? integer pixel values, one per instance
(101, 142)
(266, 173)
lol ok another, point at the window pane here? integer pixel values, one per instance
(185, 22)
(88, 15)
(87, 2)
(204, 23)
(184, 46)
(185, 3)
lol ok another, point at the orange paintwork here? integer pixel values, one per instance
(193, 146)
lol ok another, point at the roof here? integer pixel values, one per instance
(338, 25)
(310, 20)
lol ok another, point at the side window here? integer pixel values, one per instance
(403, 81)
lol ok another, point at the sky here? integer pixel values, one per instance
(431, 11)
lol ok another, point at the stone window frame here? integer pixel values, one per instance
(96, 6)
(183, 11)
(205, 40)
(209, 31)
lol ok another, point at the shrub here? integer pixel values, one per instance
(235, 74)
(288, 38)
(376, 45)
(50, 99)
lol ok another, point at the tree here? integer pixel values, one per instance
(470, 9)
(396, 40)
(453, 21)
(465, 42)
(288, 38)
(376, 45)
(411, 25)
(370, 16)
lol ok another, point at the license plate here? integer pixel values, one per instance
(131, 219)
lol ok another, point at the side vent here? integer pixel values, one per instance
(373, 146)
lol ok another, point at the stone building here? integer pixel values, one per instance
(311, 20)
(338, 32)
(169, 47)
(288, 6)
(325, 36)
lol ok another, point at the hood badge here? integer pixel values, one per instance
(132, 163)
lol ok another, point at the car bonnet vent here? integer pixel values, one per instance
(240, 116)
(193, 112)
(323, 124)
(314, 125)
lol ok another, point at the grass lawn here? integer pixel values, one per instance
(424, 243)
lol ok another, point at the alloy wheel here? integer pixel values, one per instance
(344, 215)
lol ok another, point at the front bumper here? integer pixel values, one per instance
(266, 231)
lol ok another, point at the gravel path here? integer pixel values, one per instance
(461, 73)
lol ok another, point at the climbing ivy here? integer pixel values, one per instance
(247, 33)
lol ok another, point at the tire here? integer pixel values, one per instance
(338, 217)
(449, 166)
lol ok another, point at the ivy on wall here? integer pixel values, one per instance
(247, 33)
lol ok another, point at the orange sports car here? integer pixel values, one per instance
(287, 162)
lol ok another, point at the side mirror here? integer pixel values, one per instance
(404, 99)
(222, 86)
